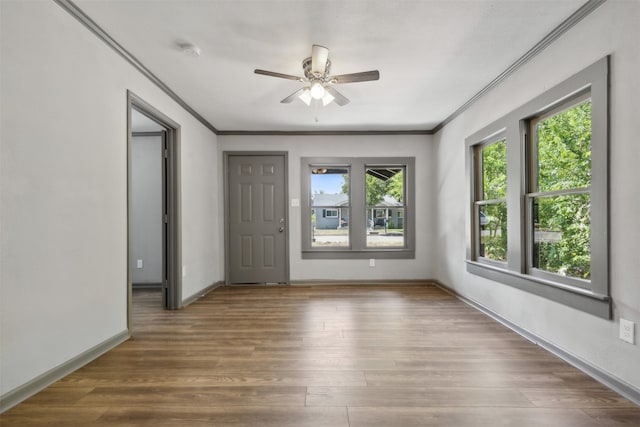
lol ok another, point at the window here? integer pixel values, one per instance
(380, 190)
(539, 191)
(558, 197)
(331, 213)
(329, 206)
(490, 207)
(385, 207)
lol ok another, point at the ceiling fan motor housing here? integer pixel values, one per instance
(306, 66)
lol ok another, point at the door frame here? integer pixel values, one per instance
(285, 156)
(172, 288)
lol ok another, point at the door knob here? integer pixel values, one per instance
(281, 229)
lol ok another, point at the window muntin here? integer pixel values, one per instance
(384, 211)
(559, 226)
(329, 206)
(490, 206)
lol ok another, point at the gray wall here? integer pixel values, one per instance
(589, 338)
(418, 146)
(146, 209)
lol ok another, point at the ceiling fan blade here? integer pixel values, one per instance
(364, 76)
(319, 56)
(339, 98)
(280, 75)
(293, 96)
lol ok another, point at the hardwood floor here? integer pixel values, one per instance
(323, 356)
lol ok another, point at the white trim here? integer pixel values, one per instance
(326, 212)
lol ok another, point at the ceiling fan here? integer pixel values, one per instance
(319, 81)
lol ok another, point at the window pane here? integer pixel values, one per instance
(385, 227)
(493, 231)
(494, 170)
(329, 231)
(329, 206)
(564, 150)
(328, 180)
(561, 241)
(385, 206)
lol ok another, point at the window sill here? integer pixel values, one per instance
(385, 253)
(578, 298)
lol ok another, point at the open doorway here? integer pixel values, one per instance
(153, 206)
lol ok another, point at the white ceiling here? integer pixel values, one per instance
(433, 56)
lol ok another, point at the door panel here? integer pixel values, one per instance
(257, 219)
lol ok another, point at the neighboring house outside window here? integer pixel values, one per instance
(331, 218)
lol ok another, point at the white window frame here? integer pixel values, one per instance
(328, 215)
(590, 296)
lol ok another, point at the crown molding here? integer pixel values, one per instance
(325, 132)
(90, 24)
(564, 26)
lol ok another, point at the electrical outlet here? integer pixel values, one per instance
(372, 262)
(139, 263)
(627, 330)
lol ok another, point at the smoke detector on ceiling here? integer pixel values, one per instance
(190, 50)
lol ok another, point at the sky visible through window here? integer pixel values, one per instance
(326, 183)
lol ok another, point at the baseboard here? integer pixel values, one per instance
(201, 293)
(616, 384)
(25, 391)
(146, 285)
(412, 282)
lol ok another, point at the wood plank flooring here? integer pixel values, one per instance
(323, 356)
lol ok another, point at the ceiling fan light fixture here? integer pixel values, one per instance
(327, 99)
(317, 75)
(305, 96)
(317, 90)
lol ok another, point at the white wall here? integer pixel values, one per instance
(63, 213)
(611, 29)
(418, 146)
